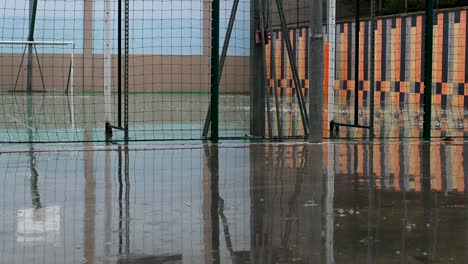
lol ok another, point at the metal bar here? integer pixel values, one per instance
(215, 71)
(30, 70)
(227, 40)
(72, 88)
(292, 61)
(349, 125)
(32, 25)
(20, 67)
(372, 69)
(273, 68)
(39, 67)
(206, 127)
(316, 71)
(32, 19)
(37, 43)
(264, 68)
(118, 128)
(119, 64)
(331, 21)
(126, 88)
(257, 96)
(107, 61)
(275, 84)
(428, 69)
(68, 79)
(356, 63)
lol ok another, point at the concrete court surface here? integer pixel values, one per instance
(339, 202)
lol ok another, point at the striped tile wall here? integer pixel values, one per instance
(399, 71)
(393, 172)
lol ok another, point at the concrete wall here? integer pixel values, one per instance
(148, 73)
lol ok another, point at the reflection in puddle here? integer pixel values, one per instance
(255, 203)
(38, 225)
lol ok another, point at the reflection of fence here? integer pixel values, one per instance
(398, 167)
(169, 202)
(399, 72)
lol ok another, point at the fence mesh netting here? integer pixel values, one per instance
(59, 69)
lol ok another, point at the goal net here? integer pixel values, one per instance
(37, 90)
(37, 66)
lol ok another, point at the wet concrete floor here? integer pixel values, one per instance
(340, 202)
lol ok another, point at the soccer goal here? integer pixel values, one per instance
(37, 66)
(30, 67)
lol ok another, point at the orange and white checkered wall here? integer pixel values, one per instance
(399, 65)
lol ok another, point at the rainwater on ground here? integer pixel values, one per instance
(338, 202)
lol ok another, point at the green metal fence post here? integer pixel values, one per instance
(316, 58)
(428, 69)
(257, 80)
(32, 27)
(215, 71)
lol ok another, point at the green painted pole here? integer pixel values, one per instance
(215, 71)
(316, 58)
(32, 26)
(428, 69)
(32, 19)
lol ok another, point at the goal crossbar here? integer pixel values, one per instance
(52, 43)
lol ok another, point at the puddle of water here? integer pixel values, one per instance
(340, 202)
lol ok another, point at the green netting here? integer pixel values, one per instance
(62, 78)
(169, 53)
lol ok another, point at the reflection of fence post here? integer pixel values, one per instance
(215, 71)
(328, 205)
(108, 202)
(313, 178)
(211, 202)
(428, 200)
(89, 218)
(428, 69)
(316, 72)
